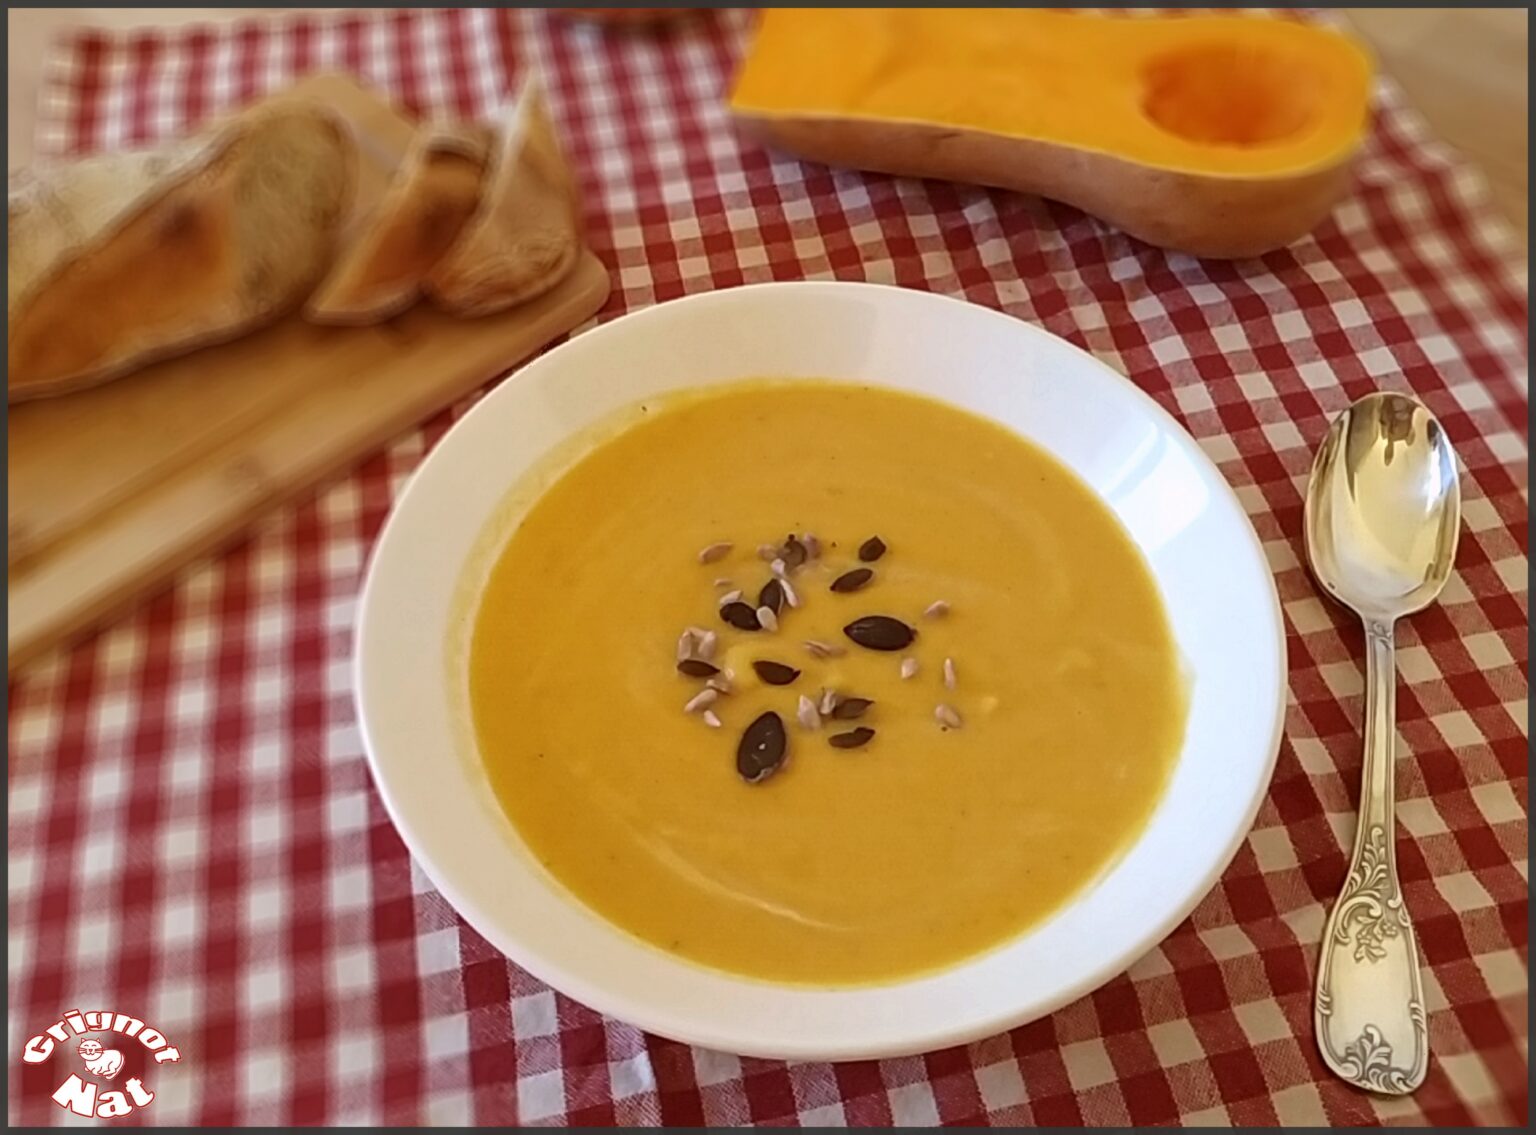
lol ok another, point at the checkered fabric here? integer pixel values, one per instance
(194, 837)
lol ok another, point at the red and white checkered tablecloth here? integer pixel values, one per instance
(194, 838)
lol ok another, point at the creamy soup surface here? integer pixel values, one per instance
(922, 847)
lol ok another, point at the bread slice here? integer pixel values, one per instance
(524, 237)
(117, 263)
(382, 270)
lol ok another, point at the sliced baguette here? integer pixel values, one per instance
(230, 232)
(524, 237)
(436, 191)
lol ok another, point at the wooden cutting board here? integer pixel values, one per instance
(113, 490)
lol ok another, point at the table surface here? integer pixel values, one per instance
(1463, 68)
(193, 834)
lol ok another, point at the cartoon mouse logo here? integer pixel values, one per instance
(103, 1062)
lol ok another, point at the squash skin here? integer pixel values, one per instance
(1217, 217)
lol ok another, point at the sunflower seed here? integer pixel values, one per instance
(772, 595)
(908, 668)
(794, 552)
(696, 632)
(789, 592)
(818, 649)
(871, 550)
(852, 580)
(715, 552)
(697, 668)
(779, 568)
(950, 678)
(701, 700)
(880, 632)
(849, 708)
(711, 720)
(812, 546)
(686, 645)
(705, 646)
(947, 716)
(763, 748)
(829, 700)
(936, 610)
(724, 581)
(767, 553)
(853, 739)
(740, 616)
(767, 619)
(807, 715)
(729, 597)
(775, 673)
(720, 684)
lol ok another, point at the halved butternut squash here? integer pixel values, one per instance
(1220, 136)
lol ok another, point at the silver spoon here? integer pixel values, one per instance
(1383, 513)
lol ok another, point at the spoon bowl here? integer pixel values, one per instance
(1383, 508)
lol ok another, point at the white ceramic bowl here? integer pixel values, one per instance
(1206, 558)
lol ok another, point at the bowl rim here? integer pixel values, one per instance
(550, 971)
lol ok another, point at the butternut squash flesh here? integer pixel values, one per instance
(1215, 135)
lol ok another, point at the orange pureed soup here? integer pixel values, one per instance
(927, 843)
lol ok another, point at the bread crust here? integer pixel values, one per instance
(59, 209)
(176, 252)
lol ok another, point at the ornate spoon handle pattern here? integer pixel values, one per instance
(1369, 1009)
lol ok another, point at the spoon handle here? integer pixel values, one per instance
(1369, 1010)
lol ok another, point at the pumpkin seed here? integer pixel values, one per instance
(871, 550)
(853, 739)
(763, 748)
(849, 708)
(880, 632)
(715, 552)
(775, 673)
(852, 580)
(772, 596)
(739, 615)
(697, 668)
